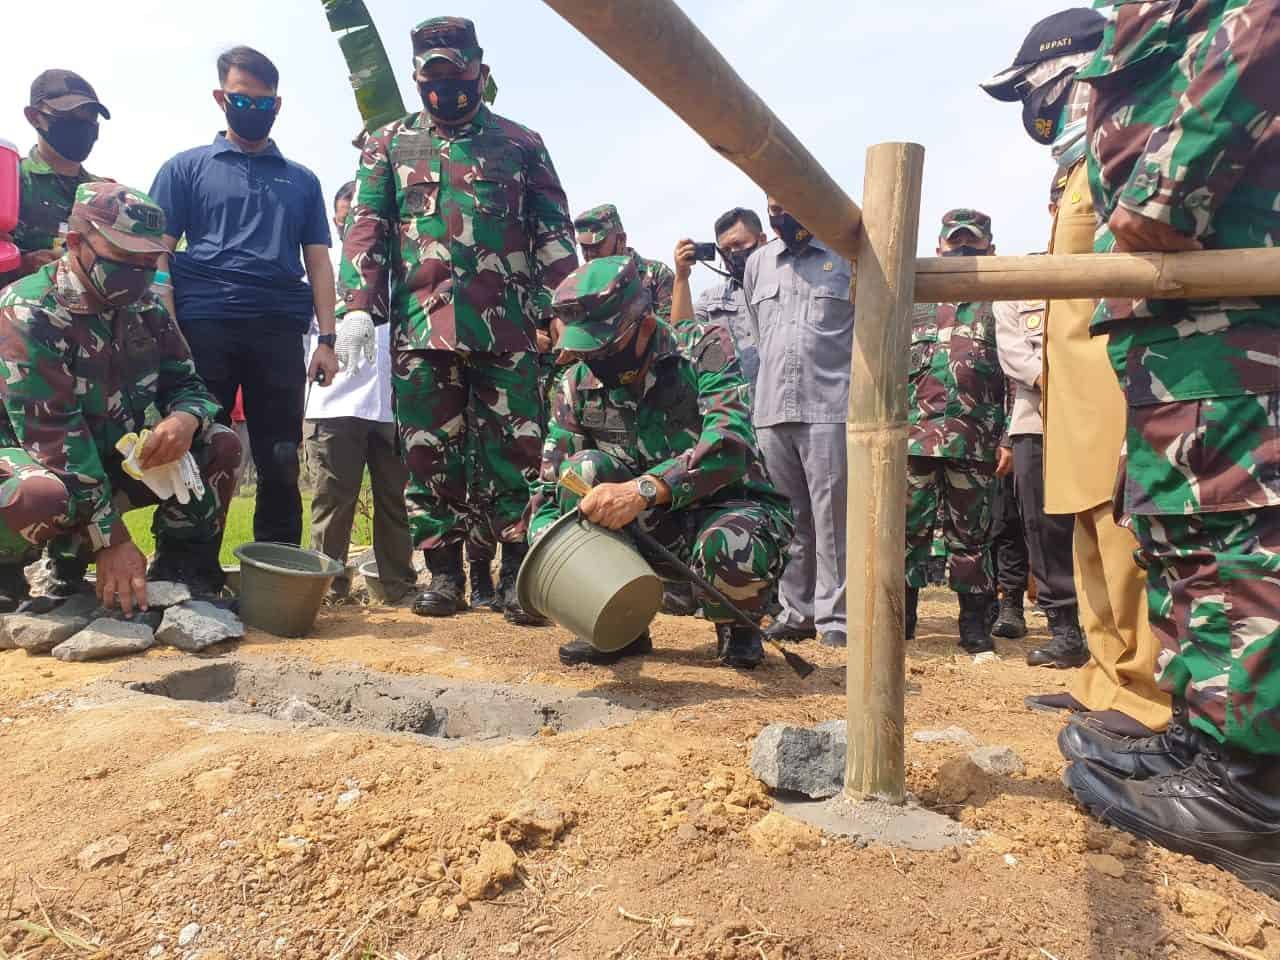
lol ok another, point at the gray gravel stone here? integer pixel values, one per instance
(998, 761)
(196, 625)
(106, 638)
(166, 593)
(801, 760)
(40, 633)
(949, 735)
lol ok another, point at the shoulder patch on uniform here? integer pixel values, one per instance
(710, 355)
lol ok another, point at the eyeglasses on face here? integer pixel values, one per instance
(242, 101)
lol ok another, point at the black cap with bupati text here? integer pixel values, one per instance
(1077, 30)
(63, 91)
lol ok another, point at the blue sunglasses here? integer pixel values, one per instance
(241, 101)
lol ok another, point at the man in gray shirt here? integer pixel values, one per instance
(798, 302)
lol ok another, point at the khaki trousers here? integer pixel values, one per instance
(1112, 590)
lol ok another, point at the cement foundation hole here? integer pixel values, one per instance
(427, 706)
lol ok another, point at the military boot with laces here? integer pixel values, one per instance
(1011, 621)
(1066, 648)
(1132, 758)
(444, 594)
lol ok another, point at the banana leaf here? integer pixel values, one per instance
(377, 93)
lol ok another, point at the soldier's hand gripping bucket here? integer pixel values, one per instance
(591, 581)
(282, 587)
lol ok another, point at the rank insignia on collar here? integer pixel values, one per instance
(828, 266)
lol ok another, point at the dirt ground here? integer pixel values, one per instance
(232, 836)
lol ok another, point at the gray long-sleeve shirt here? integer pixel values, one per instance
(802, 318)
(1019, 343)
(726, 305)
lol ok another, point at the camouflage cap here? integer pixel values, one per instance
(128, 219)
(597, 224)
(597, 300)
(447, 38)
(974, 221)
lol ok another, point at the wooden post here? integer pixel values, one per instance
(877, 443)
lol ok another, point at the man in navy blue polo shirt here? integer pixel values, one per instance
(257, 229)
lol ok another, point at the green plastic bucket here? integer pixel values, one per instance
(282, 587)
(592, 582)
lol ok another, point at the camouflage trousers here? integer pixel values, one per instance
(1202, 495)
(35, 506)
(958, 494)
(471, 436)
(740, 546)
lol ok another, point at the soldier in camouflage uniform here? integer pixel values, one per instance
(665, 439)
(87, 353)
(64, 111)
(1184, 153)
(458, 236)
(601, 234)
(956, 408)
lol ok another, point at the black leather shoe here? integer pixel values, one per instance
(1133, 759)
(13, 587)
(1011, 620)
(780, 630)
(740, 647)
(513, 555)
(580, 652)
(679, 600)
(975, 637)
(1224, 809)
(444, 595)
(195, 565)
(1066, 648)
(1117, 723)
(1053, 702)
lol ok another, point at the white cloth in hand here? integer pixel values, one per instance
(356, 344)
(179, 479)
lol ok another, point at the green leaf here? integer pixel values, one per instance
(377, 93)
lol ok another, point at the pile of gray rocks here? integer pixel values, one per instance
(78, 629)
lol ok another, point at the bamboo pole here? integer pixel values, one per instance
(1206, 275)
(877, 445)
(661, 47)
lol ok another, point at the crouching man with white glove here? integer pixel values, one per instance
(87, 351)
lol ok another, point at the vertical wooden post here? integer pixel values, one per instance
(884, 295)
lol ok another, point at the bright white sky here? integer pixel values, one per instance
(842, 74)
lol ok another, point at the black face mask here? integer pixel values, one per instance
(1041, 116)
(965, 250)
(617, 368)
(736, 261)
(795, 236)
(72, 137)
(450, 99)
(251, 125)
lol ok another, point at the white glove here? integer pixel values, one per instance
(179, 479)
(356, 342)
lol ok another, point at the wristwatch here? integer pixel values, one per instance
(648, 488)
(327, 339)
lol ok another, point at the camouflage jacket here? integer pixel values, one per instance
(46, 201)
(691, 428)
(1183, 129)
(660, 281)
(73, 382)
(458, 239)
(955, 395)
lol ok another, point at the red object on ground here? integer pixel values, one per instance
(10, 256)
(237, 412)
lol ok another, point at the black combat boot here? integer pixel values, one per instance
(513, 555)
(14, 590)
(480, 573)
(67, 576)
(1066, 648)
(580, 652)
(1133, 759)
(910, 612)
(443, 596)
(1011, 621)
(194, 564)
(739, 646)
(974, 634)
(678, 599)
(1223, 809)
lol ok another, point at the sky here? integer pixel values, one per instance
(842, 74)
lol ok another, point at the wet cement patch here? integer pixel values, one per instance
(435, 707)
(908, 826)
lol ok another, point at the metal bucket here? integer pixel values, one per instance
(591, 581)
(373, 583)
(282, 587)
